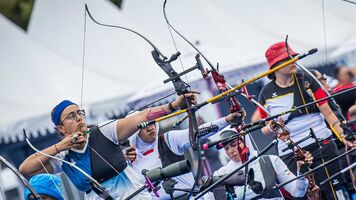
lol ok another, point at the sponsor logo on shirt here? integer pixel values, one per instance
(274, 94)
(287, 172)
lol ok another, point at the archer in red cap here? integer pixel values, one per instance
(278, 52)
(289, 89)
(276, 55)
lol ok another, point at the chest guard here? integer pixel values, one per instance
(111, 152)
(165, 153)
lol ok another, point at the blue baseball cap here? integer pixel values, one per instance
(46, 184)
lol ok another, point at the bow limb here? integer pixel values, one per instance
(159, 57)
(157, 53)
(21, 177)
(92, 180)
(222, 86)
(64, 161)
(180, 86)
(121, 27)
(190, 43)
(193, 124)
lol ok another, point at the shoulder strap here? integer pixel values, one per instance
(300, 94)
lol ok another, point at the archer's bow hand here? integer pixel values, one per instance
(130, 153)
(230, 117)
(347, 142)
(303, 165)
(182, 101)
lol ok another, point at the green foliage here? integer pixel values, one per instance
(117, 2)
(18, 11)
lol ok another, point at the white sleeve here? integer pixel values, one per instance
(57, 164)
(297, 188)
(209, 196)
(109, 130)
(178, 140)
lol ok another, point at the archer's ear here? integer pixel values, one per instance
(60, 130)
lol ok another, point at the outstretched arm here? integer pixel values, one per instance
(33, 164)
(178, 140)
(334, 122)
(128, 126)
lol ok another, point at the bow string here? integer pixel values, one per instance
(222, 86)
(104, 193)
(21, 177)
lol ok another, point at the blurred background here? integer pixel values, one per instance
(52, 50)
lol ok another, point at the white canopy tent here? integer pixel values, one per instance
(346, 52)
(235, 32)
(116, 62)
(34, 79)
(51, 65)
(114, 53)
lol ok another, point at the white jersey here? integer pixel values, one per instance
(178, 141)
(276, 100)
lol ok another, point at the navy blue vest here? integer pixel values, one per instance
(112, 153)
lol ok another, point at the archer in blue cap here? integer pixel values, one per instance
(48, 186)
(95, 150)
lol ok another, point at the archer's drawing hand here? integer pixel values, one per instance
(75, 140)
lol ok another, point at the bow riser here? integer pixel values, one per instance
(234, 106)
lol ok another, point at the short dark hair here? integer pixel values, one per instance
(273, 75)
(336, 71)
(52, 113)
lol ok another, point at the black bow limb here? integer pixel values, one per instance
(21, 177)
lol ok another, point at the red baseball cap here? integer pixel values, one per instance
(278, 52)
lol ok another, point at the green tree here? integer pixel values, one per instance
(18, 11)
